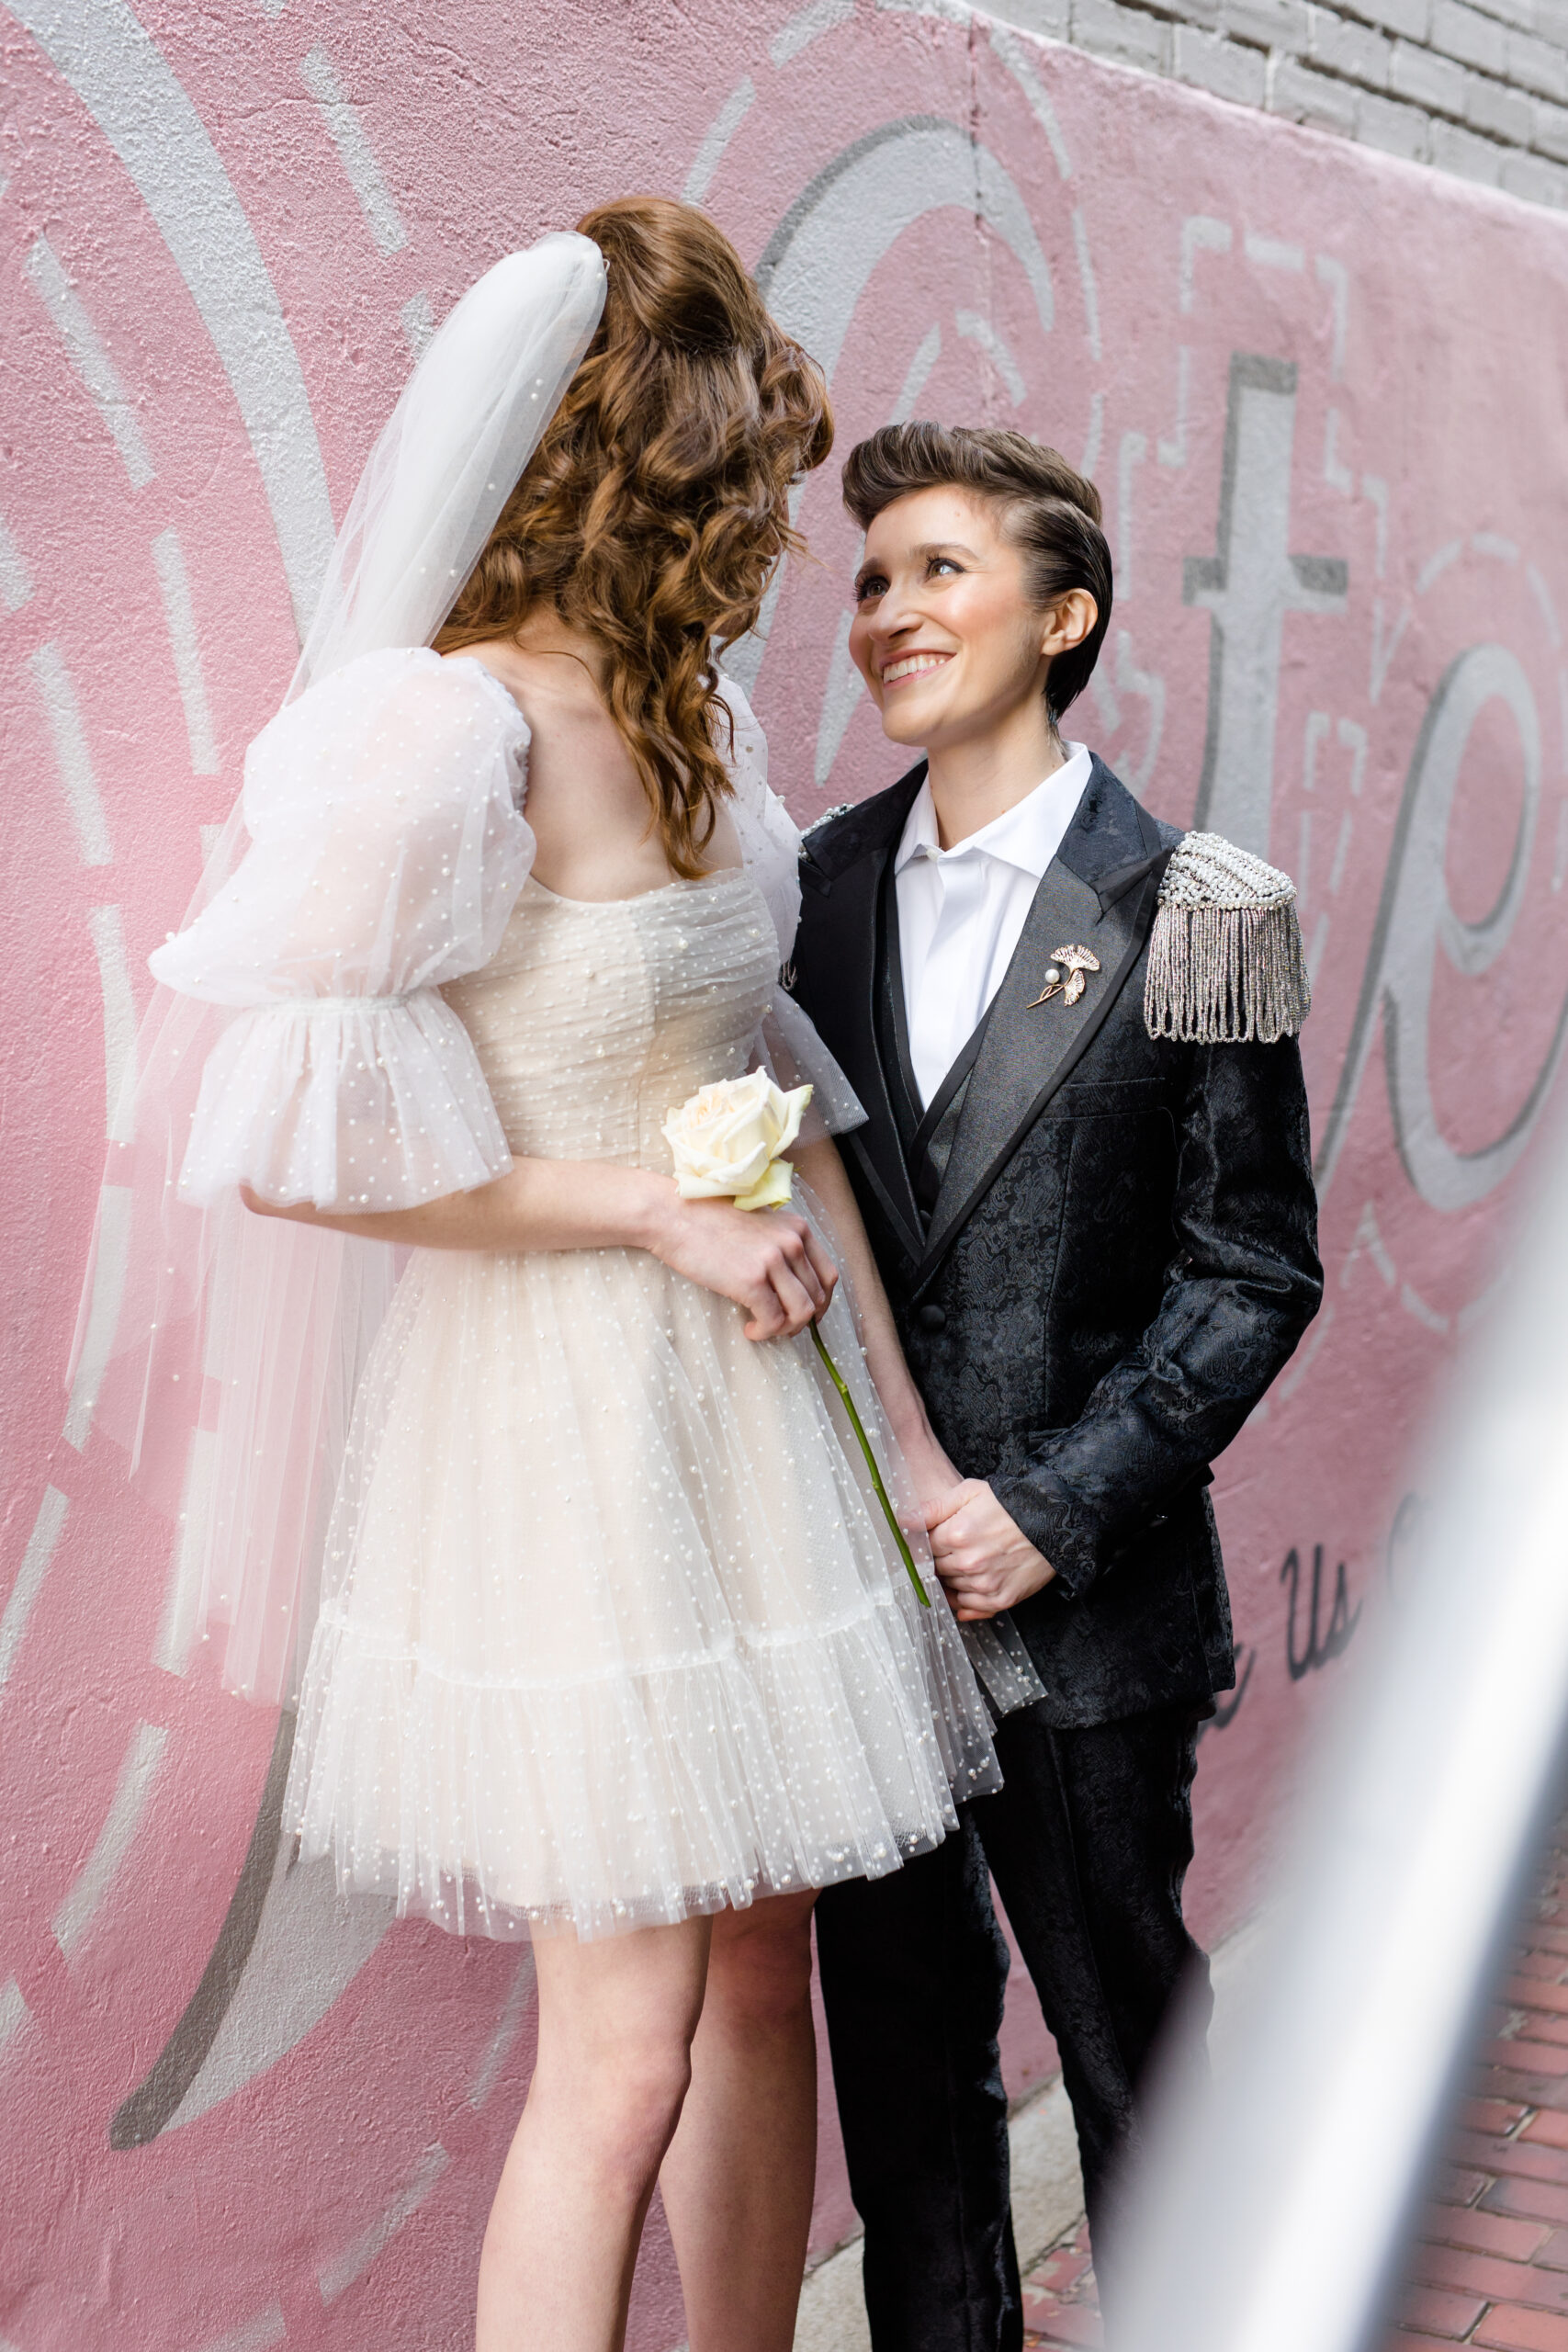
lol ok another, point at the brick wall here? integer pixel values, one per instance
(1481, 90)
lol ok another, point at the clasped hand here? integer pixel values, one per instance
(772, 1265)
(985, 1560)
(776, 1270)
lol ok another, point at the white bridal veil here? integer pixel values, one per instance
(223, 1350)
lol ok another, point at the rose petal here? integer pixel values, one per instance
(772, 1192)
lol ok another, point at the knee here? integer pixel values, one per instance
(624, 2101)
(645, 2101)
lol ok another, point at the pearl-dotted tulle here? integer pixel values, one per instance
(613, 1628)
(604, 1625)
(387, 845)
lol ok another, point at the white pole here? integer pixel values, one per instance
(1272, 2213)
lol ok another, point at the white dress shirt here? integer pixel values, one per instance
(960, 910)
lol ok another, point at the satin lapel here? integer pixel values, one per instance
(1031, 1049)
(856, 892)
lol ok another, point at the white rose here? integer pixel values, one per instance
(726, 1140)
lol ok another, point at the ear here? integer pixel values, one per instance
(1068, 623)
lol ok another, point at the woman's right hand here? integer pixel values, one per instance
(768, 1260)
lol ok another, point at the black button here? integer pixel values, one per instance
(931, 1317)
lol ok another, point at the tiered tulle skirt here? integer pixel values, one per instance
(614, 1630)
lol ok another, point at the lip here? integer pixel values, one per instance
(930, 658)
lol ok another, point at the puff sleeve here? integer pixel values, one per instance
(387, 850)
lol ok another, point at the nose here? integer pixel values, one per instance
(891, 620)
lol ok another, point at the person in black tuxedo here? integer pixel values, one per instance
(1087, 1181)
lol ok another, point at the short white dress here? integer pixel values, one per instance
(613, 1629)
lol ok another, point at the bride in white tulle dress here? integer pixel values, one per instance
(518, 1475)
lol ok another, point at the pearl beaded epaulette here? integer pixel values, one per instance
(1225, 960)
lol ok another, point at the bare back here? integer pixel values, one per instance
(587, 804)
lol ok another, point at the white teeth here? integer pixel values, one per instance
(912, 665)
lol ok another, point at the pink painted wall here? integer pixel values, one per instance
(218, 232)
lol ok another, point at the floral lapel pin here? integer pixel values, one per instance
(1065, 976)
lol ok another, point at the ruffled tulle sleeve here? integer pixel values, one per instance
(387, 849)
(788, 1043)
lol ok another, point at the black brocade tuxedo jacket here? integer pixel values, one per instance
(1099, 1246)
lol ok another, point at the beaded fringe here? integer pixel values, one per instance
(1226, 963)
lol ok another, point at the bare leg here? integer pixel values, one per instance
(616, 2018)
(738, 2178)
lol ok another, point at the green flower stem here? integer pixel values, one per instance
(848, 1402)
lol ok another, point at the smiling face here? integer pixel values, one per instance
(945, 632)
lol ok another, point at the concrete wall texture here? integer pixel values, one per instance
(1324, 392)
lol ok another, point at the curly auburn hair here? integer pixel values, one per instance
(655, 508)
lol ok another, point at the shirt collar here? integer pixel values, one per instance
(1027, 835)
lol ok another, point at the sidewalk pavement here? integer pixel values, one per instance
(1490, 2266)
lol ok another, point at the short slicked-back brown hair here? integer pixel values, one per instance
(1053, 516)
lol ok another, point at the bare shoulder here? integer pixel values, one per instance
(575, 740)
(586, 803)
(545, 686)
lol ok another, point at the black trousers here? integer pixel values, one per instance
(1089, 1842)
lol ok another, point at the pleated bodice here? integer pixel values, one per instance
(597, 1019)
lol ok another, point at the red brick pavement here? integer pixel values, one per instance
(1490, 2266)
(1060, 2305)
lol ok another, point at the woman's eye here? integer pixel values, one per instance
(872, 585)
(942, 563)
